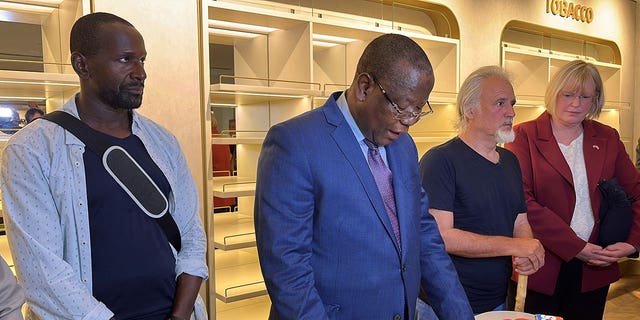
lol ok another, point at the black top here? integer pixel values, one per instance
(132, 263)
(485, 198)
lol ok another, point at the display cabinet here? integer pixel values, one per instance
(532, 57)
(34, 57)
(533, 68)
(272, 60)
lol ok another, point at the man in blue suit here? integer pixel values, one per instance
(330, 247)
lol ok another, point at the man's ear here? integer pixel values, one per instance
(364, 85)
(79, 64)
(469, 112)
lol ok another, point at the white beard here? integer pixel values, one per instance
(505, 136)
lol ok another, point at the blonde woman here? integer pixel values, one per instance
(563, 155)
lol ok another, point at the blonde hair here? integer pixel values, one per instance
(471, 92)
(214, 121)
(573, 76)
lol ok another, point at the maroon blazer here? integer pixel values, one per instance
(550, 195)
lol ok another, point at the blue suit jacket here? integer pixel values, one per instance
(325, 243)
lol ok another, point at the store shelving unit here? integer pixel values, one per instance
(237, 140)
(47, 80)
(238, 275)
(533, 68)
(234, 230)
(233, 186)
(271, 61)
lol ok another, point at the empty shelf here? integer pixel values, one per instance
(239, 282)
(233, 230)
(231, 187)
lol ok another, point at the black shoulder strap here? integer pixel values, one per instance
(79, 129)
(99, 146)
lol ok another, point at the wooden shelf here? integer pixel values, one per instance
(238, 140)
(245, 11)
(254, 311)
(532, 69)
(238, 275)
(616, 105)
(233, 230)
(235, 94)
(253, 308)
(232, 187)
(25, 85)
(229, 259)
(435, 97)
(440, 97)
(525, 101)
(431, 139)
(282, 16)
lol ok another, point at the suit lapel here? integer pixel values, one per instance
(595, 150)
(346, 142)
(549, 149)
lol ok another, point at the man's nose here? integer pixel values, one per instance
(139, 73)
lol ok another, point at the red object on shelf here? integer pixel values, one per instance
(221, 154)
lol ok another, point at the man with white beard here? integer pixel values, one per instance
(476, 195)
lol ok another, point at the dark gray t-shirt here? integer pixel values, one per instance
(485, 198)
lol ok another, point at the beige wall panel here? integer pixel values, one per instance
(251, 60)
(287, 109)
(247, 161)
(252, 118)
(354, 51)
(330, 64)
(290, 55)
(51, 44)
(69, 11)
(610, 117)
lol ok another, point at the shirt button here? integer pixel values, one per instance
(83, 243)
(397, 317)
(84, 280)
(404, 268)
(80, 204)
(77, 164)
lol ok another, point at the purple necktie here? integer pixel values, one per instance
(384, 180)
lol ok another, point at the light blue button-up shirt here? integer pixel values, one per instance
(45, 208)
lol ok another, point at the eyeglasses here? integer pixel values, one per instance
(571, 96)
(403, 115)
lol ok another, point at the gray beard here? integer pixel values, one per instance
(505, 136)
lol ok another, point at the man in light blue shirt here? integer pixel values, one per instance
(79, 243)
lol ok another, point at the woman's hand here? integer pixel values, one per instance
(595, 255)
(620, 250)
